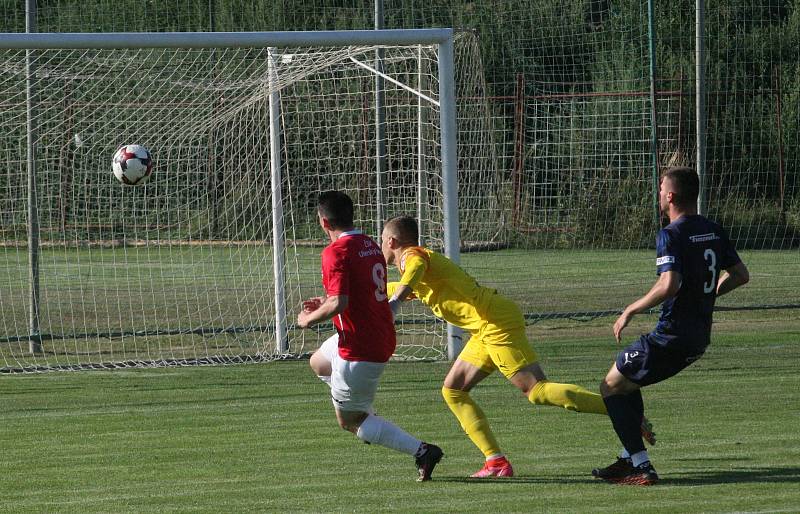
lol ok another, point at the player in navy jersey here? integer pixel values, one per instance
(352, 361)
(695, 263)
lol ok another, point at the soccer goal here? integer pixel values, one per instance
(209, 260)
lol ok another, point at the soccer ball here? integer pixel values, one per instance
(132, 164)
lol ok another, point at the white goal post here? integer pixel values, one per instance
(116, 260)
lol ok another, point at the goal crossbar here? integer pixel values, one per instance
(283, 39)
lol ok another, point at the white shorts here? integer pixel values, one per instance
(353, 383)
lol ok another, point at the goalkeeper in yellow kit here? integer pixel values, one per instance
(498, 340)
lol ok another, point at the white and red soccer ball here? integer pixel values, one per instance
(132, 164)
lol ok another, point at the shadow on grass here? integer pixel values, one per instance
(519, 479)
(756, 475)
(709, 459)
(735, 476)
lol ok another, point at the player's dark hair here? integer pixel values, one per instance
(686, 184)
(337, 208)
(405, 229)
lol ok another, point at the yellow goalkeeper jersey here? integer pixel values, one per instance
(450, 292)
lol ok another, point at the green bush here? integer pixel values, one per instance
(609, 212)
(759, 223)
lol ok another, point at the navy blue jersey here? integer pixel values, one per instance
(699, 250)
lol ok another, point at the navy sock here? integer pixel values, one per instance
(622, 409)
(637, 402)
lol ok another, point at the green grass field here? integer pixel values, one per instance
(262, 438)
(152, 303)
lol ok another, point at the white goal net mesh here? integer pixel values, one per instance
(180, 270)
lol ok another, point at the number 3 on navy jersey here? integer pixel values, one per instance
(711, 260)
(379, 277)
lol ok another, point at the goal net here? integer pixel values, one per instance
(184, 269)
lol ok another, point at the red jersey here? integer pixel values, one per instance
(354, 266)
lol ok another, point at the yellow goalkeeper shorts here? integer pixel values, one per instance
(501, 343)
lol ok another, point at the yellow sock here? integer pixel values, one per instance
(569, 396)
(472, 420)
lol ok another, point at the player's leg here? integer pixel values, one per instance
(507, 345)
(540, 391)
(533, 383)
(353, 387)
(643, 363)
(321, 359)
(623, 400)
(472, 366)
(636, 366)
(374, 429)
(646, 428)
(350, 420)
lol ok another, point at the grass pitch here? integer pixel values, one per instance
(162, 303)
(262, 438)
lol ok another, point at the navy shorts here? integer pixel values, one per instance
(646, 362)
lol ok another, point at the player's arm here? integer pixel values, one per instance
(313, 303)
(414, 271)
(325, 310)
(667, 286)
(733, 277)
(398, 293)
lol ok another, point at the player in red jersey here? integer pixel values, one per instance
(352, 361)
